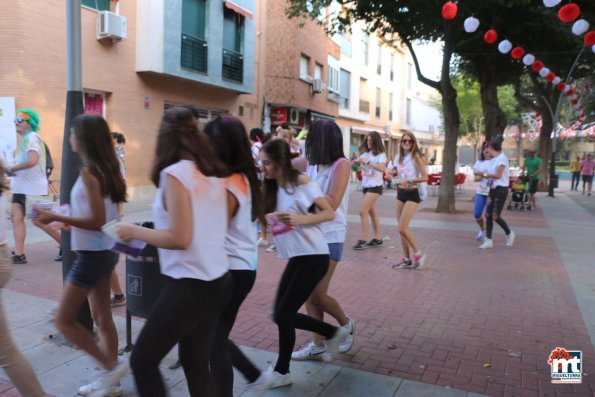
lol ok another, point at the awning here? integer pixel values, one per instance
(240, 10)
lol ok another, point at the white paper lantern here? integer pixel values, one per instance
(544, 72)
(556, 81)
(505, 46)
(471, 24)
(566, 89)
(593, 49)
(580, 27)
(551, 3)
(529, 59)
(572, 98)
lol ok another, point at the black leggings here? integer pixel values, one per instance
(187, 311)
(301, 275)
(225, 353)
(496, 203)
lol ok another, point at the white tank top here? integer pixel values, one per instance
(3, 219)
(205, 258)
(89, 240)
(240, 243)
(408, 170)
(335, 231)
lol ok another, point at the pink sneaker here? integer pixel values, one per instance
(418, 260)
(405, 263)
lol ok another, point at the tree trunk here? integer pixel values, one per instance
(446, 196)
(494, 117)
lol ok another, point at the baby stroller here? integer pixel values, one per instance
(519, 195)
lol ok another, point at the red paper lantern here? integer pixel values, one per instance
(574, 101)
(449, 11)
(590, 38)
(550, 76)
(570, 92)
(490, 37)
(517, 52)
(561, 86)
(569, 12)
(537, 66)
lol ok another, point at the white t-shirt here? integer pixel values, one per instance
(3, 219)
(371, 177)
(32, 180)
(89, 240)
(335, 231)
(256, 146)
(205, 258)
(497, 161)
(484, 185)
(240, 243)
(304, 239)
(408, 170)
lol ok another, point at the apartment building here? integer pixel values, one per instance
(167, 52)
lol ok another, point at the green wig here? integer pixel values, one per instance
(31, 116)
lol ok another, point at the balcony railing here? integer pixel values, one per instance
(233, 66)
(364, 106)
(194, 53)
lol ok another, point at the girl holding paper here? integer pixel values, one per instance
(94, 201)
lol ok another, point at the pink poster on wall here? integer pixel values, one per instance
(93, 103)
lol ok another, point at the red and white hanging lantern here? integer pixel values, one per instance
(537, 66)
(517, 53)
(544, 72)
(449, 11)
(490, 37)
(528, 59)
(551, 3)
(569, 12)
(561, 86)
(590, 38)
(504, 46)
(580, 27)
(471, 24)
(556, 81)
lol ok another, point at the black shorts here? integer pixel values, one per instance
(21, 199)
(373, 189)
(587, 178)
(533, 185)
(404, 195)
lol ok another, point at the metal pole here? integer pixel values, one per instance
(74, 107)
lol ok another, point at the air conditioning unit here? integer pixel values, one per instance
(317, 85)
(294, 116)
(111, 26)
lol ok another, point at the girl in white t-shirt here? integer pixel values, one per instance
(191, 219)
(230, 141)
(482, 166)
(94, 201)
(329, 168)
(373, 164)
(17, 368)
(296, 207)
(410, 169)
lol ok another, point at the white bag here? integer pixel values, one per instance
(423, 190)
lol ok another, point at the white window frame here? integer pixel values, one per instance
(305, 68)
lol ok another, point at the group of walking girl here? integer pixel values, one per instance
(408, 169)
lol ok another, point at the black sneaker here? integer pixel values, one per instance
(375, 243)
(19, 259)
(361, 245)
(58, 257)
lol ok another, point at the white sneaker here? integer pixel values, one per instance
(487, 243)
(261, 242)
(272, 248)
(270, 379)
(510, 239)
(350, 338)
(114, 391)
(310, 352)
(113, 377)
(333, 344)
(480, 235)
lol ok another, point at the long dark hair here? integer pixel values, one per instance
(231, 143)
(279, 153)
(97, 153)
(179, 138)
(377, 145)
(324, 144)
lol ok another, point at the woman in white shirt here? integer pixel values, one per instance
(296, 207)
(373, 164)
(329, 168)
(410, 169)
(191, 217)
(499, 176)
(483, 190)
(230, 141)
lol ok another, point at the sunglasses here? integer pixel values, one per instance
(19, 120)
(406, 141)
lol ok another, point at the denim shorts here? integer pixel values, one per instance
(335, 251)
(91, 267)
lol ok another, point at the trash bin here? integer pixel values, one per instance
(554, 180)
(144, 283)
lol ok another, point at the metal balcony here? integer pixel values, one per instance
(233, 66)
(194, 53)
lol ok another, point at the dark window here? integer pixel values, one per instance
(233, 38)
(390, 106)
(378, 100)
(194, 47)
(99, 5)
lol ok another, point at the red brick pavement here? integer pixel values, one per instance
(472, 320)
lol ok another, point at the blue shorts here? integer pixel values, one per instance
(480, 205)
(91, 267)
(335, 251)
